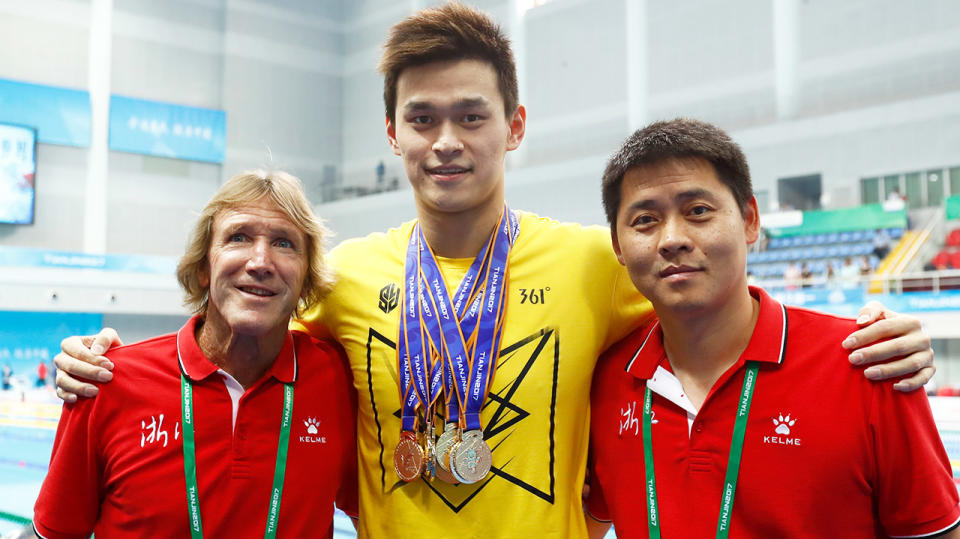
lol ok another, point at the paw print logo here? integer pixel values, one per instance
(783, 424)
(312, 423)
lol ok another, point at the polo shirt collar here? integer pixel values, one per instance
(768, 343)
(195, 366)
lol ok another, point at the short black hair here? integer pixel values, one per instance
(672, 139)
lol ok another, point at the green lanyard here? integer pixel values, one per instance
(190, 459)
(733, 464)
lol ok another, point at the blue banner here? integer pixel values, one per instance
(27, 257)
(60, 115)
(165, 130)
(28, 338)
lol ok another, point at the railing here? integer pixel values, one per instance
(925, 281)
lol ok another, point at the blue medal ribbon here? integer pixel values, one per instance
(476, 312)
(410, 341)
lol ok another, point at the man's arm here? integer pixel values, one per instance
(596, 529)
(895, 340)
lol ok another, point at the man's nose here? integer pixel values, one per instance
(448, 140)
(674, 236)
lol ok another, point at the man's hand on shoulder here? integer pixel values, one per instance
(81, 358)
(895, 340)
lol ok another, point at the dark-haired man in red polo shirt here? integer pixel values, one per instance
(735, 414)
(234, 426)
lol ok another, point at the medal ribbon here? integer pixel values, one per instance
(412, 358)
(445, 321)
(733, 462)
(190, 459)
(483, 316)
(489, 329)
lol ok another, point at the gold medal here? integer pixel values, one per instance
(429, 459)
(470, 459)
(408, 457)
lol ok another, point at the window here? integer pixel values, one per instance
(799, 193)
(869, 190)
(935, 187)
(914, 190)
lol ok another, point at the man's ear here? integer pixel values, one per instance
(518, 127)
(203, 276)
(751, 220)
(392, 136)
(616, 245)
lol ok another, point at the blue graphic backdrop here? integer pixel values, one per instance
(165, 130)
(60, 115)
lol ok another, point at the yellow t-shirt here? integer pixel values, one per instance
(568, 300)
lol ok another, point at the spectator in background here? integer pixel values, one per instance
(849, 274)
(791, 276)
(895, 201)
(42, 374)
(881, 244)
(806, 276)
(7, 375)
(865, 267)
(381, 173)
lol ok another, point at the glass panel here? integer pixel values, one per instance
(955, 181)
(914, 190)
(869, 190)
(891, 183)
(935, 187)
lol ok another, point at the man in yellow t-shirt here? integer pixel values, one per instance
(568, 300)
(450, 92)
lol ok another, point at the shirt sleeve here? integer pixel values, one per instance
(347, 495)
(69, 501)
(628, 309)
(311, 323)
(596, 504)
(916, 495)
(314, 321)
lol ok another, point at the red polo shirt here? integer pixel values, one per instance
(117, 465)
(827, 453)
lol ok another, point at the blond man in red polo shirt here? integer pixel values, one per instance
(735, 415)
(234, 426)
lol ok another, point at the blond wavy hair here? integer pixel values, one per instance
(284, 190)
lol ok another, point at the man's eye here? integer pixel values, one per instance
(420, 120)
(470, 118)
(237, 237)
(643, 220)
(700, 210)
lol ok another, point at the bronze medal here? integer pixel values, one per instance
(444, 444)
(446, 476)
(446, 441)
(408, 457)
(470, 459)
